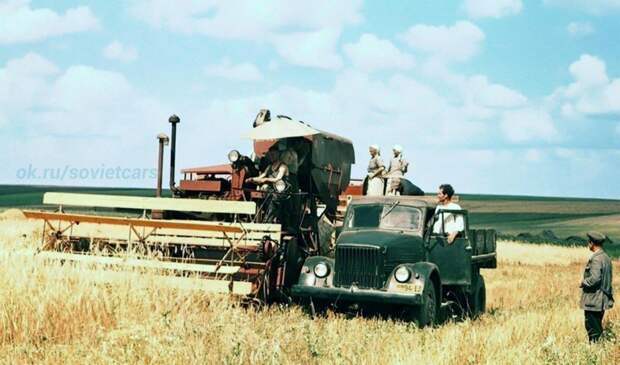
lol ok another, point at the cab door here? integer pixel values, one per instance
(453, 260)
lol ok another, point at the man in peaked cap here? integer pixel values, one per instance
(597, 292)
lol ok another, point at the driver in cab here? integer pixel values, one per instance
(276, 171)
(451, 224)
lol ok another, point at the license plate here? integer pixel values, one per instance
(410, 288)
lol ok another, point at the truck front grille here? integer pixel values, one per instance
(359, 265)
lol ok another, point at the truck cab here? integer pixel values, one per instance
(393, 254)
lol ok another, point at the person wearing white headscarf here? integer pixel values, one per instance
(375, 172)
(397, 169)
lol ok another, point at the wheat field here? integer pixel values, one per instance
(53, 314)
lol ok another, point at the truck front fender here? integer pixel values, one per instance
(421, 272)
(307, 277)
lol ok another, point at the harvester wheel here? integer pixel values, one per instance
(267, 291)
(294, 260)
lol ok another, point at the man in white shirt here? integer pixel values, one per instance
(451, 224)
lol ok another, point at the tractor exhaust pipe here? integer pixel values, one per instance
(163, 141)
(174, 120)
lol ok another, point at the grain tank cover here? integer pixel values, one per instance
(332, 157)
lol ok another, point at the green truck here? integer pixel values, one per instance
(392, 254)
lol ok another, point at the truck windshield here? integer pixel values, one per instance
(374, 216)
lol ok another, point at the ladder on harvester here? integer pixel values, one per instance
(231, 250)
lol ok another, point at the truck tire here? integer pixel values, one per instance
(477, 299)
(426, 313)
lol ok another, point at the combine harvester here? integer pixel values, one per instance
(235, 236)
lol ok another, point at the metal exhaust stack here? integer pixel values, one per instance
(174, 120)
(163, 141)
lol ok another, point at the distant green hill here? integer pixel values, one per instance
(562, 221)
(524, 218)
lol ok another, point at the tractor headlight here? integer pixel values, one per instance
(402, 274)
(233, 156)
(321, 270)
(280, 186)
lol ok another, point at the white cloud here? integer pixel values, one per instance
(480, 98)
(400, 109)
(239, 72)
(19, 23)
(120, 52)
(597, 7)
(312, 49)
(493, 95)
(80, 99)
(528, 124)
(371, 53)
(298, 30)
(589, 71)
(591, 93)
(492, 8)
(579, 29)
(74, 90)
(68, 111)
(458, 42)
(23, 81)
(239, 19)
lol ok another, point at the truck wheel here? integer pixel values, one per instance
(477, 299)
(426, 314)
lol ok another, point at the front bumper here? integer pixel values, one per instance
(355, 295)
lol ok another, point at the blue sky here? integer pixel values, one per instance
(498, 97)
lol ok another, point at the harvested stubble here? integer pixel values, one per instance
(55, 314)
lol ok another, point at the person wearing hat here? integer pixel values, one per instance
(397, 169)
(375, 172)
(597, 292)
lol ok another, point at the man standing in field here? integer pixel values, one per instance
(597, 295)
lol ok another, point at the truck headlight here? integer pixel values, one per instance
(321, 270)
(280, 186)
(402, 274)
(233, 156)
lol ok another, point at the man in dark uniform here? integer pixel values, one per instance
(597, 295)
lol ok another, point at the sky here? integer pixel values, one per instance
(493, 96)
